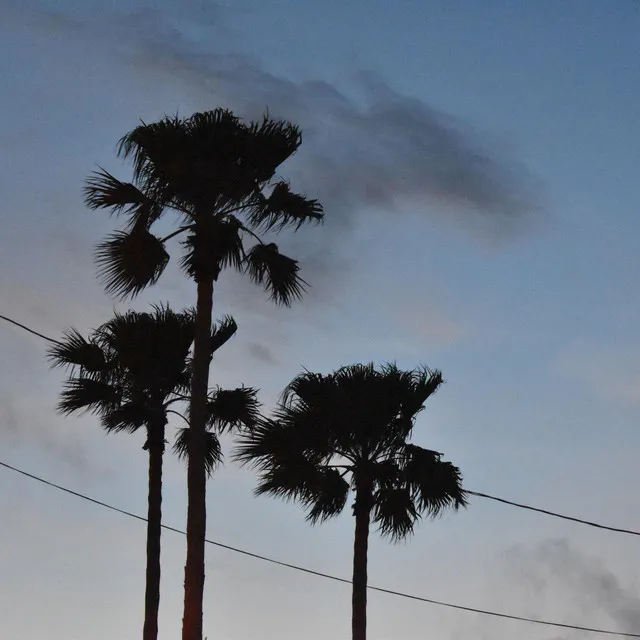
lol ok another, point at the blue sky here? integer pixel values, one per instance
(478, 164)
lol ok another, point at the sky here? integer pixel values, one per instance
(478, 167)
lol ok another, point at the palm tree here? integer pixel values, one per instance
(348, 431)
(130, 371)
(217, 174)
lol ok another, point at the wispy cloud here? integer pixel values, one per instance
(556, 571)
(261, 353)
(369, 147)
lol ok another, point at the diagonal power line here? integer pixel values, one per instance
(478, 494)
(328, 576)
(631, 532)
(25, 328)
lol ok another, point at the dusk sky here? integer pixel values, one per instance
(478, 163)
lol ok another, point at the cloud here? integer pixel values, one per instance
(369, 147)
(262, 353)
(377, 148)
(556, 571)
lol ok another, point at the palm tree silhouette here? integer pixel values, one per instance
(348, 431)
(130, 371)
(217, 173)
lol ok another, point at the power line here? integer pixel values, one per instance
(553, 513)
(328, 576)
(22, 326)
(478, 494)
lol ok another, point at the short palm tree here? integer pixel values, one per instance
(348, 431)
(217, 174)
(130, 371)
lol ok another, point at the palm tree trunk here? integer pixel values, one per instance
(362, 512)
(196, 473)
(155, 445)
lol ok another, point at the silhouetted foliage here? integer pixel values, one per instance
(349, 432)
(216, 172)
(130, 372)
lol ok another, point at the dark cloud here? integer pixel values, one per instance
(556, 567)
(262, 353)
(376, 148)
(365, 148)
(371, 147)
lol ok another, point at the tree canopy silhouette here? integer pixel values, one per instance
(130, 372)
(349, 432)
(217, 173)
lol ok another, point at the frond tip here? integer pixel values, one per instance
(212, 453)
(86, 394)
(222, 332)
(130, 262)
(74, 350)
(233, 409)
(277, 273)
(284, 208)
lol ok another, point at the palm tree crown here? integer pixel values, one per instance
(133, 368)
(348, 431)
(216, 173)
(354, 423)
(130, 371)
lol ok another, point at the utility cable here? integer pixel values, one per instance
(478, 494)
(25, 328)
(553, 513)
(328, 576)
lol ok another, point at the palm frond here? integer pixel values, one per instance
(436, 485)
(230, 409)
(130, 262)
(86, 394)
(284, 208)
(271, 142)
(415, 386)
(148, 144)
(213, 450)
(211, 247)
(129, 417)
(75, 350)
(322, 492)
(150, 348)
(309, 388)
(277, 273)
(331, 493)
(386, 473)
(222, 332)
(104, 191)
(268, 443)
(202, 159)
(281, 441)
(395, 512)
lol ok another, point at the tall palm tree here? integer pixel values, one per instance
(217, 174)
(130, 371)
(348, 431)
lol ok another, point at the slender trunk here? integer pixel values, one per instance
(362, 512)
(155, 446)
(196, 473)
